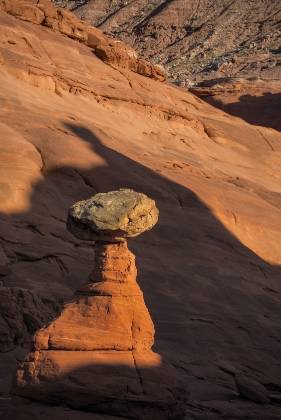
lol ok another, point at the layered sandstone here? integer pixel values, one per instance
(109, 50)
(109, 313)
(72, 126)
(97, 354)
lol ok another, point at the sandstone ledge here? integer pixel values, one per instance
(109, 50)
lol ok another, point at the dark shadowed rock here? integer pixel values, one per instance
(22, 312)
(251, 389)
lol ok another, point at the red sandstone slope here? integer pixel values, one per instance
(72, 125)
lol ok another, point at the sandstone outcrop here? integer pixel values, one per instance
(107, 314)
(97, 354)
(255, 100)
(111, 51)
(72, 126)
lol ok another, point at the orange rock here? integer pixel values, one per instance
(109, 50)
(107, 314)
(97, 354)
(66, 23)
(211, 270)
(25, 10)
(120, 383)
(96, 38)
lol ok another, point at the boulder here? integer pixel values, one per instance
(112, 216)
(96, 38)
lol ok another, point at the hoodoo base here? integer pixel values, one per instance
(122, 383)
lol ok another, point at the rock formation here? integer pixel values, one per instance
(72, 125)
(97, 354)
(109, 50)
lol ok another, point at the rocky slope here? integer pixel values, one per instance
(194, 39)
(79, 118)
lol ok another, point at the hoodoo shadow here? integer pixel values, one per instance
(211, 298)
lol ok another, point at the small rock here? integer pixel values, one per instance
(112, 216)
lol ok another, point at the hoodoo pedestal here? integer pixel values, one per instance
(97, 354)
(107, 314)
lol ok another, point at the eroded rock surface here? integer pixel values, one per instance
(111, 51)
(97, 354)
(255, 100)
(22, 313)
(112, 216)
(107, 314)
(252, 390)
(73, 126)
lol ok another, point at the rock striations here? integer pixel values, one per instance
(109, 50)
(73, 126)
(97, 354)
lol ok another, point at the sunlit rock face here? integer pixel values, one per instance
(97, 354)
(109, 313)
(112, 216)
(73, 125)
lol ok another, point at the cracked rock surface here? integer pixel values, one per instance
(112, 216)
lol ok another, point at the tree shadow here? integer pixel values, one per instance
(211, 298)
(261, 110)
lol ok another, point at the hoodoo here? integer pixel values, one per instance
(97, 354)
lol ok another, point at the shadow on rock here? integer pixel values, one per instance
(261, 110)
(207, 293)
